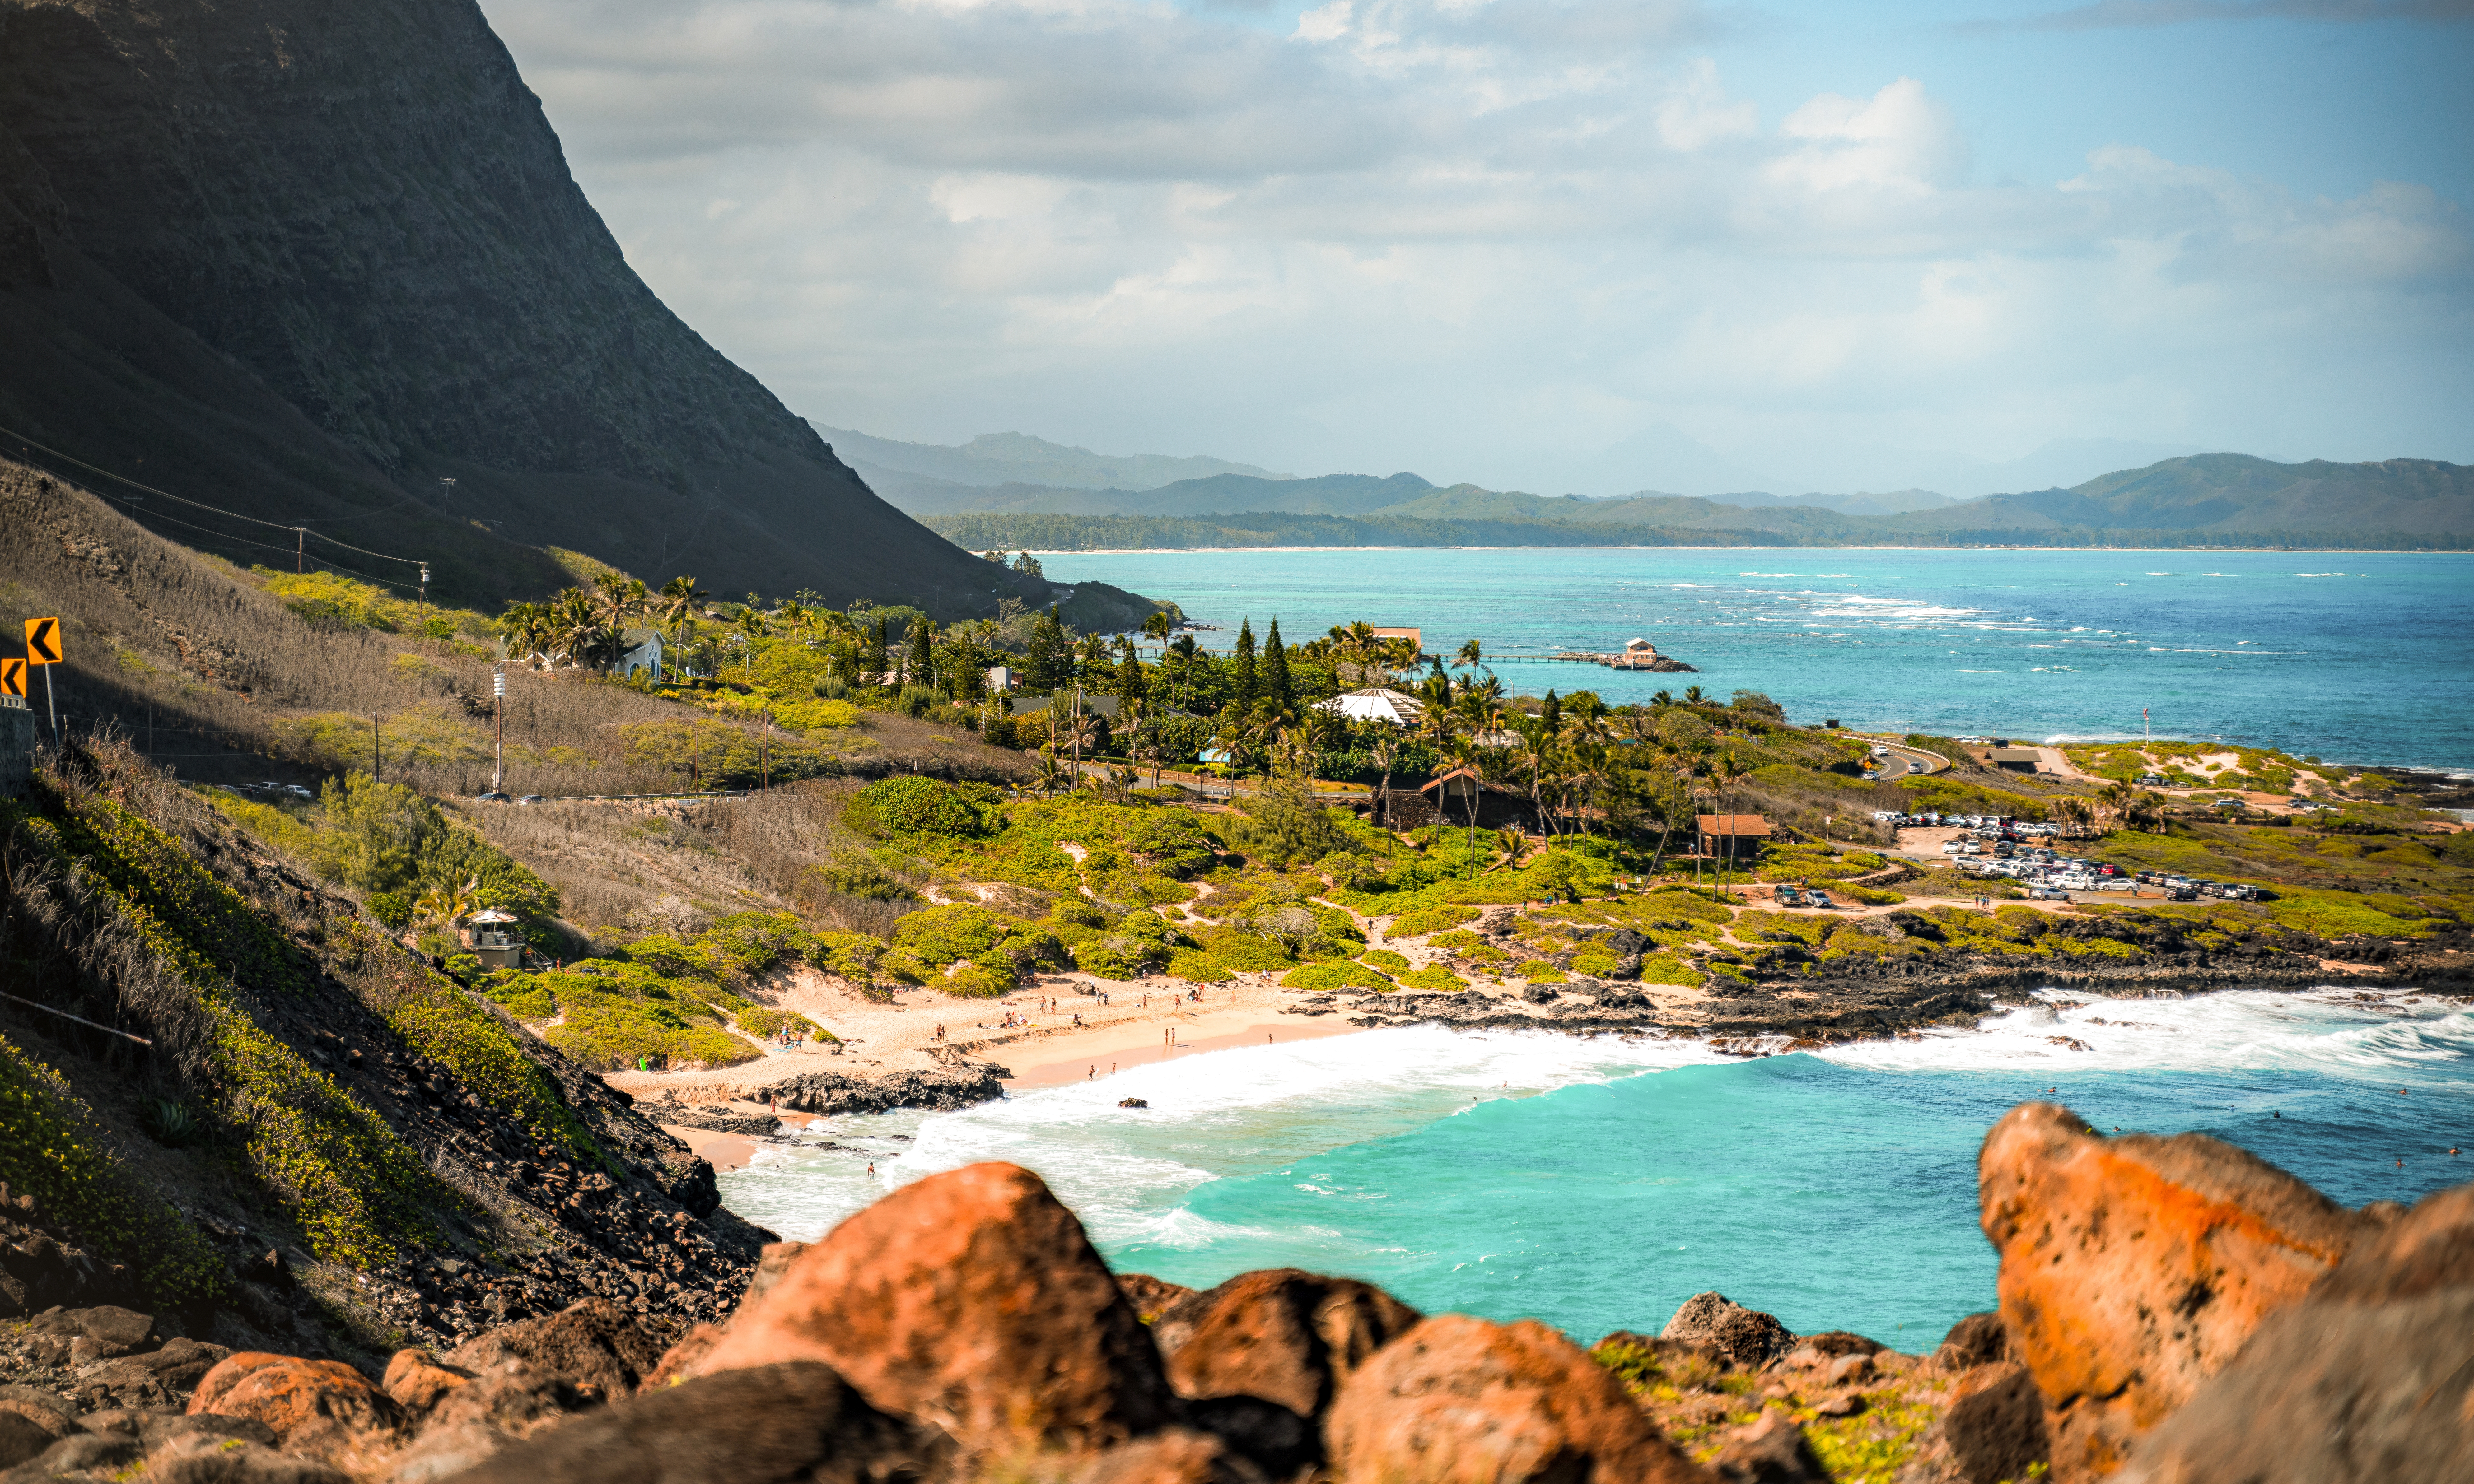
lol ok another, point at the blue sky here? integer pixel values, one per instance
(1559, 244)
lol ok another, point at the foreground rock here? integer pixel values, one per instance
(2134, 1268)
(2370, 1377)
(972, 1300)
(794, 1421)
(1461, 1399)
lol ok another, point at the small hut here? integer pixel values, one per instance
(1732, 835)
(1461, 791)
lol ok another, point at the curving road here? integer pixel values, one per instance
(1905, 759)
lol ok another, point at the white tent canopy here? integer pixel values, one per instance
(1377, 703)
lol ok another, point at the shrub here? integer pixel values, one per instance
(1121, 956)
(1250, 953)
(913, 806)
(1334, 976)
(1598, 966)
(1440, 979)
(1662, 969)
(1200, 968)
(1539, 972)
(970, 981)
(1385, 958)
(939, 935)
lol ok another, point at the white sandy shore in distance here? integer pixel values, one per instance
(1143, 1021)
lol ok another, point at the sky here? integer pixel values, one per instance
(1562, 245)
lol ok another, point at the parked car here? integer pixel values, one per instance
(1818, 899)
(2044, 891)
(1789, 896)
(493, 796)
(534, 799)
(1954, 847)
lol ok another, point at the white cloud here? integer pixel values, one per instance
(1461, 236)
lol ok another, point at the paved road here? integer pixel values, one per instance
(1903, 761)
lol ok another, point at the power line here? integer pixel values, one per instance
(275, 525)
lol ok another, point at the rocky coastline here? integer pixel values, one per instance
(2170, 1309)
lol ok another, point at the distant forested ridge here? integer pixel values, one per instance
(1033, 530)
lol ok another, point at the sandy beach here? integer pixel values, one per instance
(1063, 1025)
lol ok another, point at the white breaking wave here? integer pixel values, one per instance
(2402, 1036)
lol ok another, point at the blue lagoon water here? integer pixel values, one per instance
(1596, 1183)
(2356, 657)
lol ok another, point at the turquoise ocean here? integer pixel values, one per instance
(1597, 1182)
(2356, 657)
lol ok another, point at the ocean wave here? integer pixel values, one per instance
(2326, 1031)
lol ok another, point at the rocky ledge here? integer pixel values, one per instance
(2170, 1309)
(939, 1090)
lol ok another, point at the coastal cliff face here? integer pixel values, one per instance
(363, 219)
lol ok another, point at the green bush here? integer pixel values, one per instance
(938, 936)
(1662, 968)
(913, 807)
(1385, 959)
(1539, 972)
(1441, 979)
(1199, 966)
(971, 981)
(1121, 956)
(1598, 966)
(1248, 953)
(1334, 977)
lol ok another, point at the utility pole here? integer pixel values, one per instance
(300, 548)
(425, 589)
(499, 714)
(764, 755)
(375, 775)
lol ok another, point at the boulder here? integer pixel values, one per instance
(105, 1331)
(25, 1433)
(971, 1300)
(756, 1424)
(1995, 1423)
(308, 1406)
(1149, 1296)
(417, 1380)
(592, 1345)
(1841, 1342)
(1747, 1337)
(1458, 1400)
(1770, 1450)
(514, 1396)
(684, 1359)
(1281, 1334)
(1179, 1456)
(1976, 1340)
(2134, 1267)
(2370, 1377)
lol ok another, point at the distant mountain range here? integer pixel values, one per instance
(2198, 499)
(1016, 458)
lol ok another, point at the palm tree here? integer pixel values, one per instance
(751, 627)
(1684, 765)
(1471, 656)
(1384, 755)
(443, 906)
(1727, 771)
(1514, 845)
(1692, 696)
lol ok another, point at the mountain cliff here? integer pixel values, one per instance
(2235, 491)
(306, 262)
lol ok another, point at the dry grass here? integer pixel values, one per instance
(217, 678)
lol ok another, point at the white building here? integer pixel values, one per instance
(1377, 703)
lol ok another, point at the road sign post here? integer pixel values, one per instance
(44, 647)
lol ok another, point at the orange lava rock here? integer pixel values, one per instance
(2366, 1382)
(1460, 1401)
(1281, 1334)
(592, 1345)
(2134, 1267)
(416, 1380)
(684, 1359)
(309, 1406)
(971, 1300)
